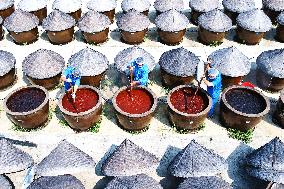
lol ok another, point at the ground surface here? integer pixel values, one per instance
(161, 139)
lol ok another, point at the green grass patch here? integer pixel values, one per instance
(137, 132)
(63, 123)
(96, 127)
(186, 131)
(166, 90)
(246, 136)
(215, 43)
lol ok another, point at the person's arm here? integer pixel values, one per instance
(208, 83)
(77, 84)
(65, 74)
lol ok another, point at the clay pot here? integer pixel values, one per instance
(96, 37)
(194, 17)
(171, 38)
(230, 117)
(146, 12)
(31, 119)
(61, 37)
(110, 14)
(1, 32)
(232, 15)
(133, 37)
(278, 115)
(26, 37)
(280, 33)
(268, 82)
(48, 83)
(76, 15)
(135, 122)
(41, 14)
(185, 121)
(172, 81)
(7, 12)
(8, 79)
(228, 81)
(271, 14)
(249, 37)
(94, 81)
(82, 121)
(207, 37)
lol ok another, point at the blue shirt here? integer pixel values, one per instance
(140, 73)
(68, 74)
(215, 90)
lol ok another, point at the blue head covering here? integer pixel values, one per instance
(76, 72)
(139, 60)
(213, 72)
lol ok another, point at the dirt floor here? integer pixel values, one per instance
(161, 138)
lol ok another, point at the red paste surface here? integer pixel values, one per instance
(135, 101)
(85, 100)
(184, 101)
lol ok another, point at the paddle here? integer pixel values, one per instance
(71, 100)
(199, 75)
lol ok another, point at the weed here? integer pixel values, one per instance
(245, 136)
(96, 127)
(64, 123)
(166, 90)
(106, 83)
(215, 43)
(186, 131)
(59, 86)
(138, 132)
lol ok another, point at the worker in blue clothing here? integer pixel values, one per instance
(71, 77)
(139, 71)
(213, 80)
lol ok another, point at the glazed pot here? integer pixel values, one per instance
(133, 37)
(8, 79)
(40, 14)
(278, 115)
(26, 37)
(134, 121)
(194, 16)
(48, 83)
(82, 120)
(96, 37)
(249, 37)
(207, 37)
(232, 118)
(172, 81)
(268, 82)
(1, 32)
(228, 81)
(171, 38)
(146, 12)
(94, 81)
(110, 14)
(232, 15)
(7, 12)
(280, 33)
(271, 14)
(29, 119)
(76, 15)
(61, 37)
(183, 119)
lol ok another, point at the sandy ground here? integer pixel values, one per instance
(161, 139)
